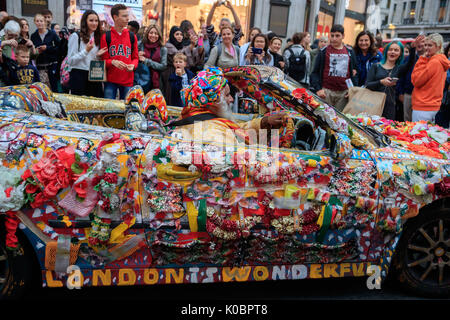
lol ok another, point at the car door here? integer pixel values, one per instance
(321, 207)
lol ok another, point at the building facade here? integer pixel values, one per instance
(284, 17)
(407, 19)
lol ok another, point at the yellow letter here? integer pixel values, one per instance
(52, 283)
(130, 275)
(345, 267)
(151, 276)
(329, 270)
(171, 273)
(260, 273)
(104, 276)
(315, 271)
(241, 274)
(358, 269)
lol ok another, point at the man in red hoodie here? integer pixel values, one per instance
(122, 56)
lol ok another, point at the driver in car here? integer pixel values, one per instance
(207, 115)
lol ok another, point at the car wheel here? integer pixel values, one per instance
(15, 269)
(422, 258)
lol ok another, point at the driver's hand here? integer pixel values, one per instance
(275, 121)
(321, 93)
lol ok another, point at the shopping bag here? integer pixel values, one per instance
(363, 100)
(97, 71)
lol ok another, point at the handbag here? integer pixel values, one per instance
(142, 76)
(363, 100)
(97, 71)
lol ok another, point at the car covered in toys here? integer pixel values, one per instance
(101, 193)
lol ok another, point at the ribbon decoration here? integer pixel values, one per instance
(114, 138)
(62, 259)
(11, 223)
(192, 213)
(117, 234)
(327, 216)
(201, 218)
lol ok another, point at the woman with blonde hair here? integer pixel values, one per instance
(226, 54)
(428, 78)
(153, 54)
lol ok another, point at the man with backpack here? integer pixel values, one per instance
(297, 61)
(334, 65)
(122, 56)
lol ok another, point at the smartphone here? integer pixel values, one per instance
(257, 50)
(23, 41)
(394, 79)
(200, 42)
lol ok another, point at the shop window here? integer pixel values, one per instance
(356, 5)
(279, 15)
(30, 7)
(324, 24)
(404, 10)
(442, 8)
(352, 27)
(422, 10)
(196, 11)
(393, 13)
(412, 10)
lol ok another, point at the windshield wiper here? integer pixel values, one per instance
(379, 137)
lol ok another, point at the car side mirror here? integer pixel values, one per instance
(248, 106)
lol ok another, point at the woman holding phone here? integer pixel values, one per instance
(258, 53)
(83, 48)
(383, 76)
(194, 52)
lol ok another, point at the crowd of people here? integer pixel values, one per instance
(415, 77)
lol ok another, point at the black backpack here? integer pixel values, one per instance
(297, 65)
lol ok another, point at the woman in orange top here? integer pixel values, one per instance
(428, 78)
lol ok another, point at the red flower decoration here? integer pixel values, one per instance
(110, 177)
(27, 174)
(51, 189)
(80, 189)
(39, 200)
(298, 93)
(31, 188)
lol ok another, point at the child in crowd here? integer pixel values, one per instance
(24, 72)
(179, 79)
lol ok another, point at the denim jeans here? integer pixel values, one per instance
(111, 90)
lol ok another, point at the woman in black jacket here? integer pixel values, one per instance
(47, 44)
(383, 76)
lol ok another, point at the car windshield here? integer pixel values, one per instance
(374, 137)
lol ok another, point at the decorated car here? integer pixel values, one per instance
(88, 203)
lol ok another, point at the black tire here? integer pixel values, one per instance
(422, 260)
(16, 267)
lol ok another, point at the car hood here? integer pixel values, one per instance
(420, 139)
